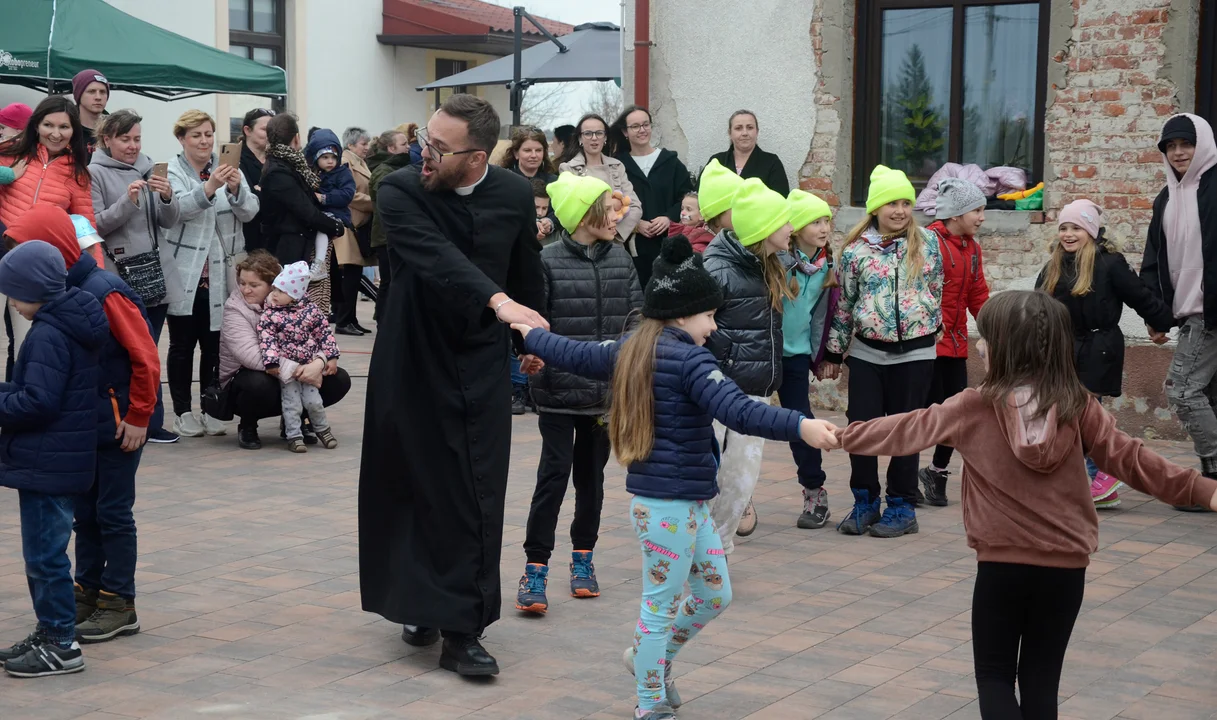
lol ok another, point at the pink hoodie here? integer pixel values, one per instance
(1181, 224)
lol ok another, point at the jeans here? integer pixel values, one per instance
(519, 380)
(297, 397)
(1022, 617)
(567, 441)
(46, 527)
(793, 395)
(739, 469)
(876, 391)
(255, 395)
(1191, 385)
(106, 548)
(185, 332)
(386, 278)
(950, 379)
(156, 317)
(679, 543)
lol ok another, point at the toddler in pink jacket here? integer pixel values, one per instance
(292, 332)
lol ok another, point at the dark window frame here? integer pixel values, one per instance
(455, 70)
(867, 94)
(274, 41)
(1206, 73)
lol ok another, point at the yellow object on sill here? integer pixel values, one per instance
(1020, 194)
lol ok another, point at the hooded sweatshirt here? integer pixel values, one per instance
(128, 325)
(1181, 224)
(1025, 492)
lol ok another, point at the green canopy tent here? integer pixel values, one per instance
(44, 43)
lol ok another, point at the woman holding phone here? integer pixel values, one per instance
(135, 206)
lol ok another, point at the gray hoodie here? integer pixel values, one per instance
(129, 229)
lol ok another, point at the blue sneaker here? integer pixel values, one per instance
(898, 519)
(531, 597)
(864, 514)
(583, 575)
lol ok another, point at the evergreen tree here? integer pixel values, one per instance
(923, 127)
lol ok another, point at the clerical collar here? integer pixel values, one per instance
(468, 189)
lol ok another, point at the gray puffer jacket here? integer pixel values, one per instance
(748, 342)
(590, 293)
(129, 229)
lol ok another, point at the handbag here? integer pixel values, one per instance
(217, 400)
(143, 272)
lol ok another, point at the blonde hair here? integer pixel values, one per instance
(914, 251)
(830, 276)
(1083, 260)
(632, 418)
(190, 120)
(776, 282)
(597, 214)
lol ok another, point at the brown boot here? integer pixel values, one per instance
(115, 616)
(86, 603)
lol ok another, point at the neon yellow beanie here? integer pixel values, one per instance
(806, 208)
(757, 212)
(717, 187)
(887, 185)
(572, 195)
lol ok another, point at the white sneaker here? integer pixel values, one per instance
(188, 425)
(212, 426)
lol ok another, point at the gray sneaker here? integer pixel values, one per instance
(113, 618)
(668, 684)
(815, 509)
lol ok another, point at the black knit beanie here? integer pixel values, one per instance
(1179, 127)
(679, 285)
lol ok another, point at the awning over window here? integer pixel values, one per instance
(464, 25)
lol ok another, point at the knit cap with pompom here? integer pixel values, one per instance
(679, 285)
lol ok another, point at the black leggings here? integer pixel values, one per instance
(1022, 617)
(876, 391)
(950, 379)
(185, 332)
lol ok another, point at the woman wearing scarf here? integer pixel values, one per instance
(293, 226)
(1180, 261)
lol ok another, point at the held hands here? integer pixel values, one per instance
(511, 312)
(820, 434)
(828, 371)
(1158, 338)
(531, 364)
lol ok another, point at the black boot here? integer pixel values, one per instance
(464, 655)
(248, 438)
(518, 406)
(935, 484)
(419, 636)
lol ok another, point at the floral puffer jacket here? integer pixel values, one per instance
(880, 302)
(293, 335)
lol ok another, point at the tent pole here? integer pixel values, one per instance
(517, 93)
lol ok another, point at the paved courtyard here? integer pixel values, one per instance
(249, 600)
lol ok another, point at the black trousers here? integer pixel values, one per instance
(876, 391)
(185, 333)
(255, 395)
(950, 378)
(793, 394)
(386, 277)
(567, 441)
(347, 304)
(1022, 617)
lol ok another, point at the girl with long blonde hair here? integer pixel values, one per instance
(748, 342)
(1089, 275)
(887, 321)
(666, 390)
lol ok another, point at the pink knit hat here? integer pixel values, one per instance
(1084, 214)
(16, 116)
(293, 279)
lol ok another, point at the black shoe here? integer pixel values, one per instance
(464, 655)
(162, 436)
(349, 329)
(44, 659)
(518, 406)
(248, 438)
(418, 636)
(935, 484)
(22, 647)
(361, 328)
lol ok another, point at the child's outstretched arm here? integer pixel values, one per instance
(1143, 469)
(1136, 295)
(905, 434)
(722, 399)
(589, 359)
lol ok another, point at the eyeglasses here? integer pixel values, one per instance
(434, 152)
(638, 126)
(592, 134)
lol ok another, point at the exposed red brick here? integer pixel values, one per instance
(1114, 109)
(1147, 17)
(1084, 171)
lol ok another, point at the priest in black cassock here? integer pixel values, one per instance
(437, 430)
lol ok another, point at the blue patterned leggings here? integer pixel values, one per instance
(679, 542)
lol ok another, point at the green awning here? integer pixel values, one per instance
(44, 43)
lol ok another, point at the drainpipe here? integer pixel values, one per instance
(642, 52)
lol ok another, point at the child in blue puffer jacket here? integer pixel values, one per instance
(335, 193)
(667, 390)
(48, 416)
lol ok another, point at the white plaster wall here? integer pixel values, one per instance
(758, 57)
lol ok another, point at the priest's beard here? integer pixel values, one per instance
(444, 176)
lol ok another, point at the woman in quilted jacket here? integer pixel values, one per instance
(56, 164)
(887, 320)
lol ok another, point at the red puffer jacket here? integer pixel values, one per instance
(964, 289)
(49, 181)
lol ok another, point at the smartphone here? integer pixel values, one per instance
(230, 154)
(161, 170)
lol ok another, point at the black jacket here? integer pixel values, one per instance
(764, 165)
(748, 342)
(1155, 269)
(251, 168)
(1098, 343)
(659, 193)
(590, 293)
(290, 207)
